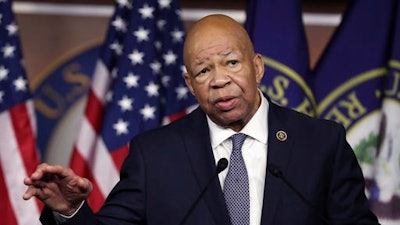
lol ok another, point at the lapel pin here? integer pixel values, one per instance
(281, 135)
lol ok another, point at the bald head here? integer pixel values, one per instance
(215, 26)
(223, 72)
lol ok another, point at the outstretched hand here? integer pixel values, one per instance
(57, 187)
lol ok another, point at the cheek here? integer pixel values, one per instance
(201, 92)
(247, 83)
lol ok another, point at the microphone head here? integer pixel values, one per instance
(222, 164)
(275, 170)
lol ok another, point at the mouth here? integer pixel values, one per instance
(226, 103)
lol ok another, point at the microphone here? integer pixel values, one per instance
(277, 172)
(221, 166)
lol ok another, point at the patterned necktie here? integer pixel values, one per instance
(236, 187)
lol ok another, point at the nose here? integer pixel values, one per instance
(221, 78)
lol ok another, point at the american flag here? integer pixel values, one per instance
(137, 85)
(18, 153)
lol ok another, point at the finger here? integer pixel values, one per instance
(30, 192)
(57, 170)
(85, 185)
(38, 173)
(49, 173)
(27, 181)
(40, 184)
(27, 195)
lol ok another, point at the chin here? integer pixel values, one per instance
(231, 122)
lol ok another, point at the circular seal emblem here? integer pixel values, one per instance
(281, 135)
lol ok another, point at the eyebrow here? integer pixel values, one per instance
(203, 60)
(200, 61)
(226, 53)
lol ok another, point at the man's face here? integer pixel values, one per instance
(223, 74)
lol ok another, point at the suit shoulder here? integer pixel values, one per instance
(177, 126)
(304, 120)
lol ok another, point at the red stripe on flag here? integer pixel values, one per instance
(80, 166)
(94, 111)
(119, 156)
(6, 209)
(177, 115)
(24, 136)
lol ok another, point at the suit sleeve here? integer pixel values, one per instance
(347, 203)
(124, 205)
(126, 202)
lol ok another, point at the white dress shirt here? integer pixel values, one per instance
(254, 151)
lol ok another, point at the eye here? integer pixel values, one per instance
(203, 71)
(232, 62)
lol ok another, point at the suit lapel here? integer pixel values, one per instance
(198, 148)
(199, 151)
(279, 151)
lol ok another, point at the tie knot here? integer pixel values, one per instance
(238, 140)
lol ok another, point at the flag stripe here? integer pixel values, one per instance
(12, 163)
(100, 81)
(96, 197)
(94, 111)
(104, 168)
(6, 208)
(99, 161)
(18, 151)
(21, 121)
(119, 156)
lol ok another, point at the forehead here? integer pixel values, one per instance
(215, 35)
(218, 44)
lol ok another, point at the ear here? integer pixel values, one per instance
(259, 67)
(188, 82)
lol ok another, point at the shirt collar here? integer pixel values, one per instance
(257, 127)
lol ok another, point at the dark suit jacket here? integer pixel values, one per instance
(168, 167)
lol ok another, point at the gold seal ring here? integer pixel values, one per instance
(281, 135)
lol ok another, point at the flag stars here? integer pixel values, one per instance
(114, 73)
(177, 35)
(170, 58)
(165, 81)
(12, 29)
(141, 34)
(136, 57)
(20, 84)
(181, 92)
(8, 51)
(156, 67)
(148, 112)
(119, 24)
(121, 127)
(3, 73)
(146, 12)
(164, 4)
(1, 96)
(158, 45)
(124, 3)
(152, 89)
(131, 80)
(117, 47)
(161, 24)
(125, 103)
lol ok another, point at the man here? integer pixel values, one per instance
(167, 168)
